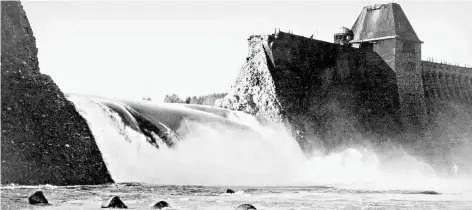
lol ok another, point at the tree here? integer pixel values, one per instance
(202, 100)
(172, 99)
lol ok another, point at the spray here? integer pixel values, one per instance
(222, 155)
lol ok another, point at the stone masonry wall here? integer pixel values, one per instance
(333, 93)
(448, 93)
(410, 85)
(328, 94)
(447, 82)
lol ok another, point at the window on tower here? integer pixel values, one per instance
(409, 47)
(366, 45)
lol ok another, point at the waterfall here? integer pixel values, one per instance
(211, 154)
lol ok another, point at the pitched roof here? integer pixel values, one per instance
(383, 21)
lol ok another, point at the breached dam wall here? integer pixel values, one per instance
(318, 89)
(254, 91)
(44, 139)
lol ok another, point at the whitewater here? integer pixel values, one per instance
(202, 151)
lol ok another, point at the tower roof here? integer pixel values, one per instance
(343, 30)
(383, 21)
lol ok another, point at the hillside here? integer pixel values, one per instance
(44, 139)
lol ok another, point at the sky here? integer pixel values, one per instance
(136, 49)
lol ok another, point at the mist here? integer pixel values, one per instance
(264, 156)
(450, 130)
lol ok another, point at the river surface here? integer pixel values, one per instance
(142, 196)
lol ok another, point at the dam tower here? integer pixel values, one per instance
(343, 36)
(386, 30)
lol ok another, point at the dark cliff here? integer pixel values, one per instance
(321, 91)
(44, 139)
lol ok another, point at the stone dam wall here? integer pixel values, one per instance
(324, 93)
(448, 96)
(44, 139)
(446, 82)
(329, 95)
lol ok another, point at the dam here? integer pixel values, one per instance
(360, 122)
(370, 82)
(335, 102)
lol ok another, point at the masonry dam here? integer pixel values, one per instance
(368, 87)
(370, 84)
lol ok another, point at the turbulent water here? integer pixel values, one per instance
(208, 197)
(189, 155)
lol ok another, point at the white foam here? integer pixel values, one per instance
(210, 156)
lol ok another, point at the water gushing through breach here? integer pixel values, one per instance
(210, 154)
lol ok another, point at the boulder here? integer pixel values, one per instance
(430, 192)
(114, 202)
(246, 207)
(37, 198)
(160, 205)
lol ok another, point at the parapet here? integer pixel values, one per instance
(447, 68)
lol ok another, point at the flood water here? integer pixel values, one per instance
(264, 162)
(141, 196)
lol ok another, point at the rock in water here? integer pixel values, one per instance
(114, 202)
(160, 205)
(430, 192)
(37, 197)
(44, 139)
(229, 191)
(246, 207)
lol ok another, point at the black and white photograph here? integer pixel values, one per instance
(236, 105)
